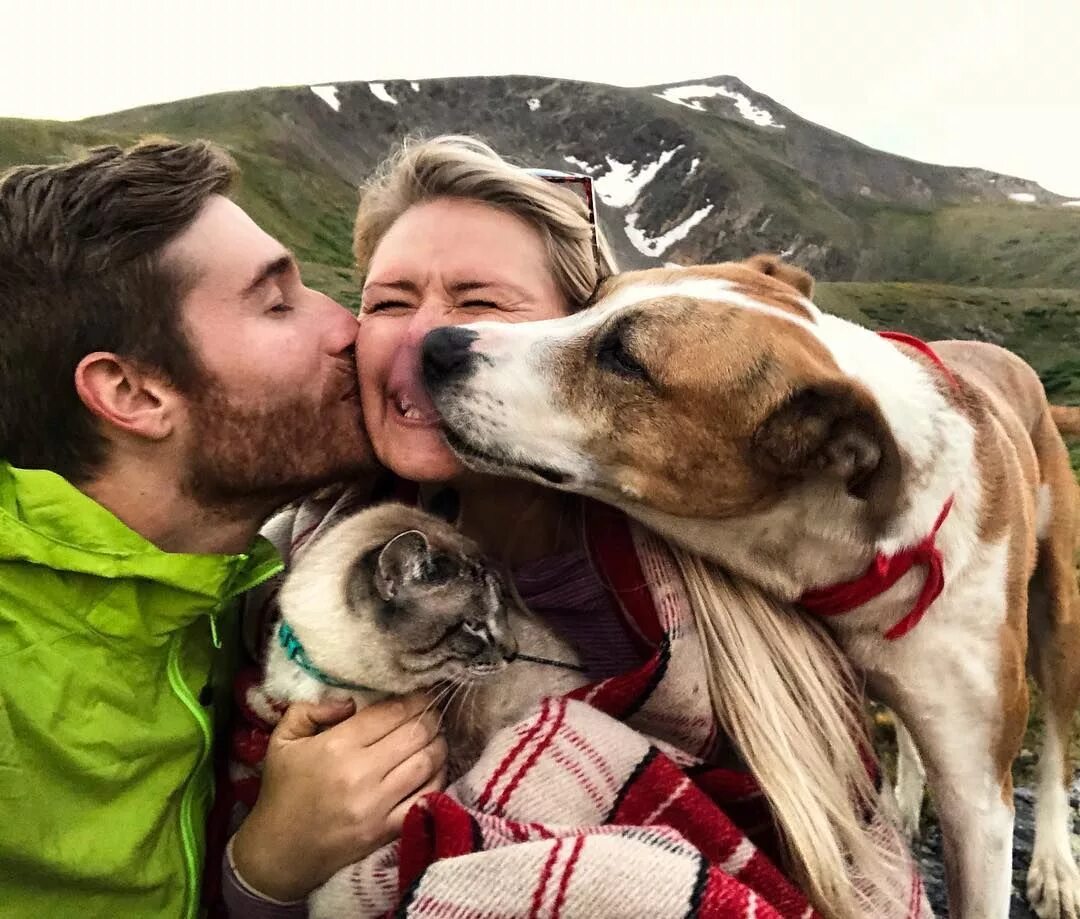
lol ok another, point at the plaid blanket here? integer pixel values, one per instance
(611, 802)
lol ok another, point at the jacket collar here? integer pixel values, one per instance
(45, 520)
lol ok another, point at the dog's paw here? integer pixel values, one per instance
(1053, 886)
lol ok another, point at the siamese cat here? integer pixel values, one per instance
(391, 600)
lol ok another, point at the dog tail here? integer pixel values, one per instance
(1067, 419)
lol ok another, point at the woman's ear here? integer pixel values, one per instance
(125, 396)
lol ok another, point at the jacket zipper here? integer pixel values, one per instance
(231, 595)
(187, 830)
(184, 694)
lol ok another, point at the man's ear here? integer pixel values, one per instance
(833, 430)
(776, 267)
(401, 560)
(125, 396)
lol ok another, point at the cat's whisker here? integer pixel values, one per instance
(443, 691)
(458, 685)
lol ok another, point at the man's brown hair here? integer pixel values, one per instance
(81, 270)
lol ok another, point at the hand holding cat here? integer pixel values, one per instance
(336, 786)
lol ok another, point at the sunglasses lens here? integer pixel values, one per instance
(582, 186)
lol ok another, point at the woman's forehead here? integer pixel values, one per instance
(460, 242)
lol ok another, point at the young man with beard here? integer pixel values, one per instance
(166, 382)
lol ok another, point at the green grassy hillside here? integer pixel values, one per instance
(1042, 325)
(989, 245)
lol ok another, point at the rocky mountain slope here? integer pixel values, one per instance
(698, 171)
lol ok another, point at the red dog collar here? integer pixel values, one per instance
(886, 570)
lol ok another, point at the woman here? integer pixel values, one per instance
(449, 233)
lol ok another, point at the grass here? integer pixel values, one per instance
(1042, 325)
(999, 245)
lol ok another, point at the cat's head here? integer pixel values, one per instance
(446, 609)
(397, 600)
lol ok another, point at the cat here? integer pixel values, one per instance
(391, 600)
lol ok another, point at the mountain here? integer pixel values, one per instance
(699, 171)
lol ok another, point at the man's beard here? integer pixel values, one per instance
(261, 457)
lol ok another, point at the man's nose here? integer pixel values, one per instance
(340, 327)
(446, 354)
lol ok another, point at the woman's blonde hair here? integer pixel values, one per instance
(789, 701)
(467, 168)
(779, 686)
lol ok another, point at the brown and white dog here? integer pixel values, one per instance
(924, 494)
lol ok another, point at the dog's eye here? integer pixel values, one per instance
(614, 356)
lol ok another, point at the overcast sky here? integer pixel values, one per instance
(962, 82)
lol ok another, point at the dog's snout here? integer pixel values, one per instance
(446, 354)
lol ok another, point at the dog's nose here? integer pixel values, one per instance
(445, 353)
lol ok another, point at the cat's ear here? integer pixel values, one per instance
(401, 560)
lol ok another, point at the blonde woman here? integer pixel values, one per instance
(752, 702)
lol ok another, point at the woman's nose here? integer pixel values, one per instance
(426, 318)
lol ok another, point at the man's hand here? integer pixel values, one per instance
(336, 786)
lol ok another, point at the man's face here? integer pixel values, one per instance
(277, 411)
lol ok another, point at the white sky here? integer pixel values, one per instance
(964, 82)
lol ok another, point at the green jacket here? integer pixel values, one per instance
(107, 645)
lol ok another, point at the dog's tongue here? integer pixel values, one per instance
(405, 384)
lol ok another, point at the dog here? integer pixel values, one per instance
(917, 496)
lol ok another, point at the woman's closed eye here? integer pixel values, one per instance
(387, 306)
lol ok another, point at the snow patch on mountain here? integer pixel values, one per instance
(328, 94)
(657, 246)
(690, 94)
(582, 165)
(378, 90)
(623, 183)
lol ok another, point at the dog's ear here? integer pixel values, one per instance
(401, 560)
(776, 267)
(832, 430)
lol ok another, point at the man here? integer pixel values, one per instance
(166, 382)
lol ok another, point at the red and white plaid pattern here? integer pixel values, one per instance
(606, 803)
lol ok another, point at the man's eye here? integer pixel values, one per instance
(480, 305)
(281, 308)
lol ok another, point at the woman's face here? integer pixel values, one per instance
(446, 262)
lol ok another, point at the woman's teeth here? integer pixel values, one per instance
(408, 410)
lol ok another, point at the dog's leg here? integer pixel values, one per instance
(1054, 619)
(966, 714)
(974, 809)
(975, 813)
(910, 780)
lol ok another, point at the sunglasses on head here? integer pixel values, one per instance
(581, 185)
